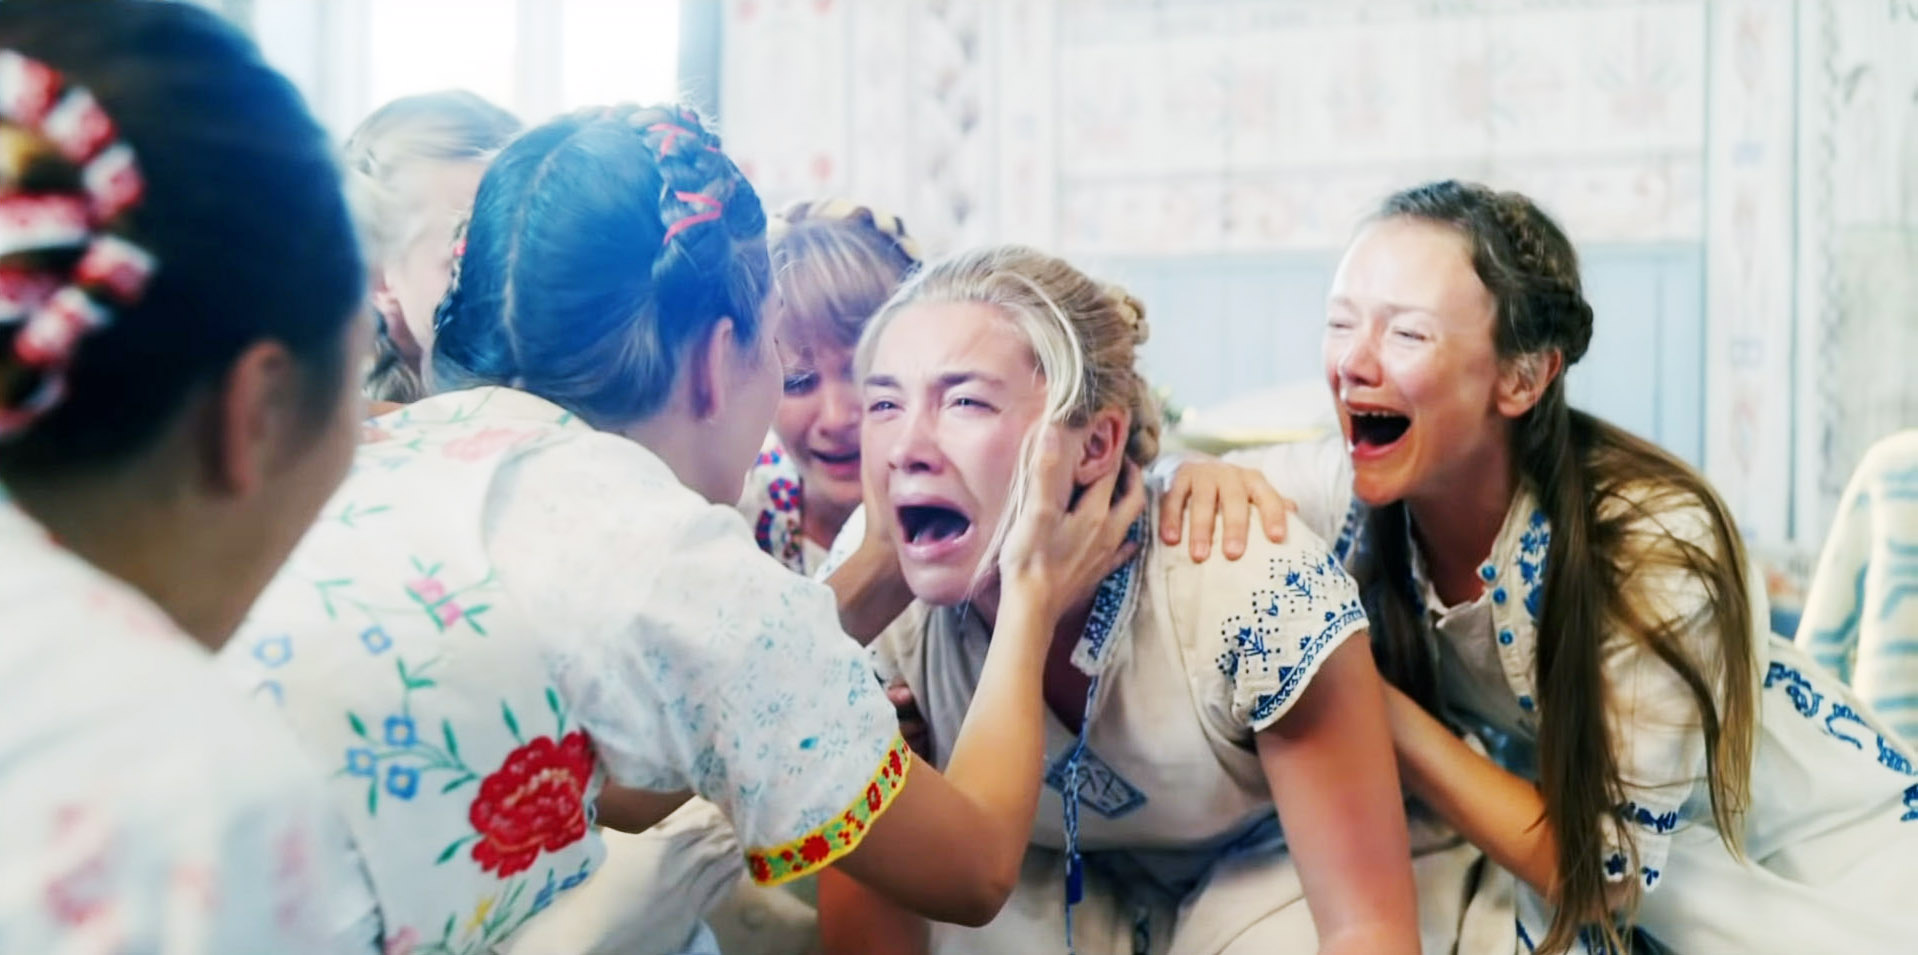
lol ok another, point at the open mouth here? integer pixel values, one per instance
(843, 458)
(1377, 429)
(926, 524)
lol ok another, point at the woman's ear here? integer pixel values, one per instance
(256, 419)
(712, 370)
(1523, 380)
(1102, 445)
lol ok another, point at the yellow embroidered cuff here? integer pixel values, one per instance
(823, 846)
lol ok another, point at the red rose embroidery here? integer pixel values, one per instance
(815, 850)
(761, 871)
(872, 797)
(535, 801)
(894, 764)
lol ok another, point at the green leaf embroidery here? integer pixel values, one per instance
(452, 745)
(457, 783)
(359, 728)
(373, 798)
(447, 853)
(511, 722)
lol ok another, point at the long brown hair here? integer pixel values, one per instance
(1603, 490)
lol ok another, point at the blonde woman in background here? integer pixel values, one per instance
(412, 169)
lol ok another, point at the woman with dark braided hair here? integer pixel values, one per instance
(179, 299)
(1665, 775)
(532, 606)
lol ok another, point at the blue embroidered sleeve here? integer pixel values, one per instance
(1279, 615)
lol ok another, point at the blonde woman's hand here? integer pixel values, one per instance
(1055, 553)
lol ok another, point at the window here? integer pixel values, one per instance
(534, 57)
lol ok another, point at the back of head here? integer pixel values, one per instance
(835, 263)
(1084, 334)
(206, 165)
(398, 138)
(601, 245)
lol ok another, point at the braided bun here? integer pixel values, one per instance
(600, 245)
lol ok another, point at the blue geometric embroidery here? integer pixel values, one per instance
(1808, 702)
(1841, 711)
(1894, 760)
(1661, 823)
(1797, 687)
(1289, 677)
(1261, 644)
(1615, 865)
(1107, 792)
(1533, 543)
(1650, 875)
(1109, 601)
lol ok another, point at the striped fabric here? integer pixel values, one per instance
(1861, 614)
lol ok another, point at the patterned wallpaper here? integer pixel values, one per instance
(1140, 129)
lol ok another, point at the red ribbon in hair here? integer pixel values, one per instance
(713, 209)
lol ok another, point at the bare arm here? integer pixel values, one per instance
(870, 589)
(855, 920)
(636, 810)
(1329, 762)
(1501, 813)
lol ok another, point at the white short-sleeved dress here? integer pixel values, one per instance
(1172, 813)
(1832, 834)
(503, 607)
(144, 806)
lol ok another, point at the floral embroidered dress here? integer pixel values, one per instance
(1832, 833)
(1163, 793)
(143, 805)
(501, 609)
(773, 503)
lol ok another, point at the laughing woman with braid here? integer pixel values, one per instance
(1581, 600)
(532, 606)
(179, 286)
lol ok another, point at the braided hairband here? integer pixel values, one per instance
(710, 208)
(886, 224)
(55, 311)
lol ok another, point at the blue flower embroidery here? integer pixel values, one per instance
(360, 762)
(274, 651)
(400, 731)
(546, 893)
(376, 639)
(402, 781)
